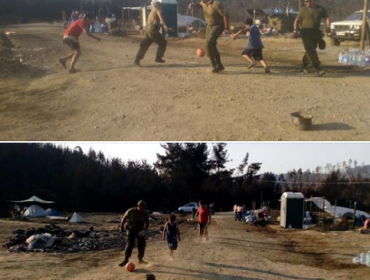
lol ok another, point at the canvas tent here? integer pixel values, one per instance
(76, 218)
(52, 212)
(33, 199)
(34, 211)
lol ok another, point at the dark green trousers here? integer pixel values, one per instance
(310, 39)
(148, 40)
(212, 34)
(131, 236)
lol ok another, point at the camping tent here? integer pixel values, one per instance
(35, 211)
(52, 212)
(76, 218)
(32, 200)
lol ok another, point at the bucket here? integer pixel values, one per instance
(150, 276)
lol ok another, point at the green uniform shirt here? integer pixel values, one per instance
(136, 219)
(310, 18)
(214, 13)
(153, 16)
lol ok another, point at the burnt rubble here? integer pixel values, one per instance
(55, 239)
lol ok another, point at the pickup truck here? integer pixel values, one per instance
(348, 29)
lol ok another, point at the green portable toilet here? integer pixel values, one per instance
(292, 210)
(169, 12)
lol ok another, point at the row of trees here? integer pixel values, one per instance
(185, 172)
(50, 10)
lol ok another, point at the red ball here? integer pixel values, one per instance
(201, 52)
(130, 266)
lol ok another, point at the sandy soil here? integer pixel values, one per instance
(234, 251)
(110, 99)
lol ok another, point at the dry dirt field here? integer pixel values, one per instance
(234, 251)
(110, 99)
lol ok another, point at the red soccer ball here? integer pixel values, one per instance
(201, 52)
(130, 266)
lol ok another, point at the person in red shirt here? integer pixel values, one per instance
(71, 39)
(204, 219)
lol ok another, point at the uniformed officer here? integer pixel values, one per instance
(154, 23)
(217, 22)
(136, 222)
(309, 17)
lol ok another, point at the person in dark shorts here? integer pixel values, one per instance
(136, 223)
(204, 219)
(254, 46)
(171, 232)
(70, 38)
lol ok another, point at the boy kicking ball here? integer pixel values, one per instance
(254, 46)
(71, 39)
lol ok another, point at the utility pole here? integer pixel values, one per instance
(364, 25)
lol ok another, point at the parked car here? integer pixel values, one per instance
(348, 29)
(188, 207)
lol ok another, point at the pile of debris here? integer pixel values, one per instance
(117, 32)
(55, 239)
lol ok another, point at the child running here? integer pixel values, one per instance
(254, 46)
(172, 232)
(71, 39)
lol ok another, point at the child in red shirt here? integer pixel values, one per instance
(204, 219)
(71, 39)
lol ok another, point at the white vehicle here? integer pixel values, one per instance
(187, 208)
(348, 29)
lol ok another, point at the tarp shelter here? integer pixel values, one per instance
(52, 212)
(76, 218)
(292, 210)
(32, 199)
(34, 211)
(185, 21)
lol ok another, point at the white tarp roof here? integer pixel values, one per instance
(76, 218)
(183, 20)
(32, 199)
(35, 211)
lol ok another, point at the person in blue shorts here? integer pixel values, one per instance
(171, 232)
(254, 46)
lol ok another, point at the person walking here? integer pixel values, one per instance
(309, 17)
(217, 22)
(254, 46)
(204, 219)
(70, 38)
(136, 223)
(154, 23)
(171, 232)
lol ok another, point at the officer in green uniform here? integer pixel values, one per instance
(217, 22)
(154, 23)
(136, 222)
(309, 17)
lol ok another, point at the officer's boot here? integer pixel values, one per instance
(214, 66)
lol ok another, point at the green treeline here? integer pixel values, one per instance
(185, 172)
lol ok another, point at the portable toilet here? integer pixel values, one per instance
(169, 12)
(292, 210)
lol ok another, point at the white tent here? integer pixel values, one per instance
(35, 211)
(76, 218)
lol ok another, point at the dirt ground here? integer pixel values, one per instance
(234, 251)
(111, 99)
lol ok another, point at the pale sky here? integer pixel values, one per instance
(276, 157)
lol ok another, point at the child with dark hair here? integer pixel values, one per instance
(171, 232)
(70, 38)
(254, 46)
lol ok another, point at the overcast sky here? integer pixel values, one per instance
(276, 157)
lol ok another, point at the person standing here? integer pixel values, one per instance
(171, 232)
(309, 17)
(70, 38)
(254, 46)
(204, 219)
(217, 22)
(136, 223)
(154, 23)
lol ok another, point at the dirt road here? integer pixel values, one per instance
(180, 100)
(234, 251)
